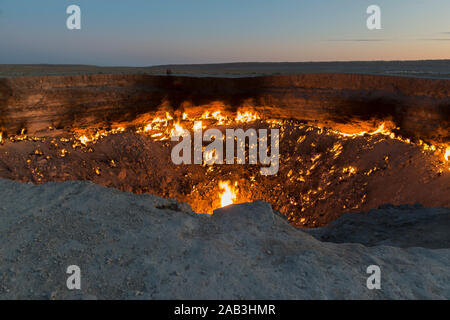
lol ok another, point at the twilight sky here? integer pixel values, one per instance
(152, 32)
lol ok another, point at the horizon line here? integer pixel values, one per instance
(219, 63)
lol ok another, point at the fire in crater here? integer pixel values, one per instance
(322, 173)
(228, 193)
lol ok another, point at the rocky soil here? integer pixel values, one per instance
(321, 175)
(399, 226)
(132, 246)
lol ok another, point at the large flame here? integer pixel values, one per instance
(447, 154)
(380, 130)
(228, 194)
(247, 116)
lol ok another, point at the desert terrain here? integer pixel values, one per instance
(364, 178)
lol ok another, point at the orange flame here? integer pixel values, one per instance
(84, 140)
(147, 128)
(380, 130)
(177, 130)
(228, 195)
(247, 116)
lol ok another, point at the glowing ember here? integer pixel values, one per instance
(220, 120)
(197, 125)
(168, 116)
(83, 139)
(228, 195)
(147, 128)
(208, 157)
(246, 117)
(349, 170)
(63, 153)
(177, 130)
(380, 130)
(447, 154)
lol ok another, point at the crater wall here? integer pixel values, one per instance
(419, 107)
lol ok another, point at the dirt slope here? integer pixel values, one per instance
(144, 247)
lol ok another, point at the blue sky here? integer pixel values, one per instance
(151, 32)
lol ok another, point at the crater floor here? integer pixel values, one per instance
(322, 174)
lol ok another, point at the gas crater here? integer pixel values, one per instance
(322, 172)
(350, 154)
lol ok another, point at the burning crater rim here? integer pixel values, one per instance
(320, 147)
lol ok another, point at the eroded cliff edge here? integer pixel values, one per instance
(420, 108)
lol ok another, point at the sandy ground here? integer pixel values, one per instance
(144, 247)
(423, 69)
